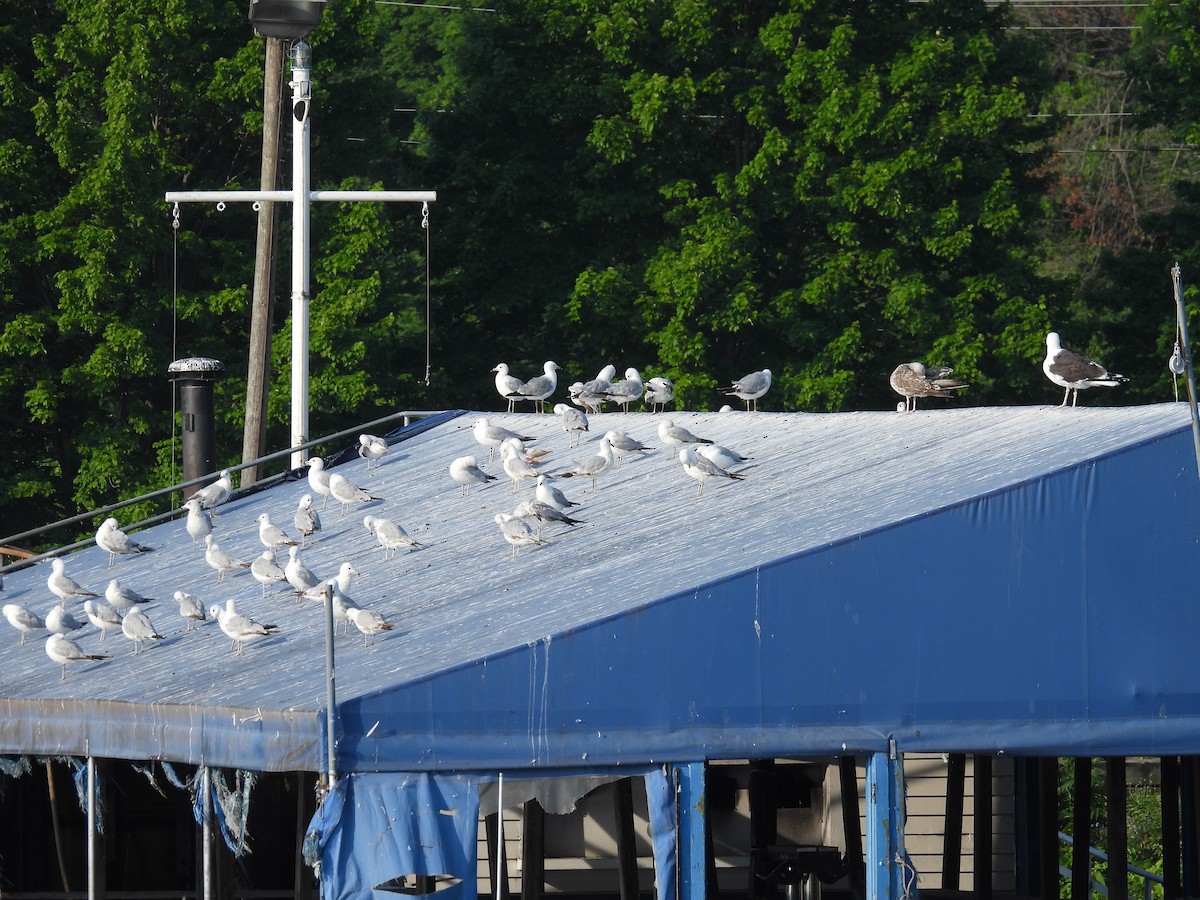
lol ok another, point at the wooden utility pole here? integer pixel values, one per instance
(258, 373)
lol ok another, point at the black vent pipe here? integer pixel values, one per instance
(196, 377)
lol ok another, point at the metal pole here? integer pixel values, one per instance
(206, 835)
(301, 109)
(1186, 348)
(91, 827)
(330, 690)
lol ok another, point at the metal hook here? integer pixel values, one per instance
(175, 217)
(424, 215)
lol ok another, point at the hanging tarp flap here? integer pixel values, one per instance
(660, 802)
(380, 834)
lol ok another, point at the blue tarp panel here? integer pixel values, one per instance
(1044, 619)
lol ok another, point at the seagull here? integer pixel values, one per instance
(298, 575)
(515, 465)
(111, 538)
(722, 456)
(306, 520)
(574, 422)
(267, 571)
(239, 628)
(63, 651)
(465, 470)
(190, 608)
(594, 466)
(506, 384)
(589, 395)
(390, 535)
(543, 513)
(540, 388)
(701, 468)
(60, 621)
(345, 492)
(492, 436)
(199, 522)
(213, 495)
(122, 598)
(102, 616)
(371, 448)
(751, 387)
(339, 588)
(623, 445)
(912, 380)
(271, 535)
(517, 532)
(318, 478)
(677, 436)
(625, 391)
(63, 585)
(1074, 372)
(659, 392)
(368, 622)
(548, 493)
(22, 619)
(221, 561)
(136, 626)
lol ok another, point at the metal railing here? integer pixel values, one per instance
(408, 417)
(1149, 879)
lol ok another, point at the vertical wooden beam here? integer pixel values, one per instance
(533, 851)
(956, 784)
(627, 869)
(1189, 783)
(1118, 828)
(1169, 794)
(764, 823)
(691, 812)
(1081, 829)
(1048, 875)
(983, 826)
(848, 781)
(497, 865)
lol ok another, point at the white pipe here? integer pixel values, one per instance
(288, 196)
(500, 860)
(301, 116)
(375, 196)
(91, 827)
(206, 889)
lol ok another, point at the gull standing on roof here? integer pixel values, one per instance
(122, 598)
(368, 622)
(62, 585)
(702, 469)
(191, 609)
(371, 448)
(298, 575)
(548, 493)
(111, 538)
(589, 395)
(198, 522)
(913, 379)
(345, 492)
(751, 387)
(102, 616)
(305, 519)
(515, 465)
(678, 436)
(239, 628)
(594, 466)
(543, 514)
(318, 478)
(573, 421)
(271, 535)
(465, 470)
(539, 388)
(22, 619)
(1074, 372)
(64, 651)
(722, 456)
(391, 536)
(213, 495)
(623, 445)
(60, 621)
(492, 436)
(625, 391)
(136, 626)
(659, 392)
(507, 385)
(517, 532)
(219, 560)
(267, 571)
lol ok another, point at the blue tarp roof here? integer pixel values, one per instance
(993, 579)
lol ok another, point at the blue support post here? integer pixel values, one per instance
(690, 806)
(889, 875)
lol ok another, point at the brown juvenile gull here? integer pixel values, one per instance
(913, 379)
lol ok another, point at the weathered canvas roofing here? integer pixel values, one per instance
(991, 578)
